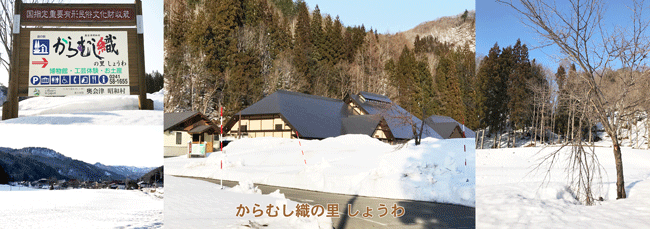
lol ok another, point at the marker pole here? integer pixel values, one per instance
(221, 143)
(303, 152)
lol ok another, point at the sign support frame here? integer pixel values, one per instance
(10, 107)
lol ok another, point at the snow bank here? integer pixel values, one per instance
(88, 110)
(510, 195)
(437, 170)
(80, 208)
(194, 203)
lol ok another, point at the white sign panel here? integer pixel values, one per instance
(198, 149)
(78, 63)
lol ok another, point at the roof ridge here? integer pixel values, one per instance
(307, 95)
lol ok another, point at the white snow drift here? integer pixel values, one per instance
(437, 170)
(79, 208)
(509, 195)
(194, 203)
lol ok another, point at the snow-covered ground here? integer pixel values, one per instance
(111, 126)
(106, 129)
(437, 170)
(79, 208)
(194, 203)
(509, 195)
(88, 110)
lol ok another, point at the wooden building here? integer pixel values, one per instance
(290, 114)
(447, 127)
(184, 127)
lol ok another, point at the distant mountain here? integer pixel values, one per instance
(154, 175)
(64, 166)
(130, 172)
(18, 168)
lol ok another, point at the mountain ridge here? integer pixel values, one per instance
(24, 164)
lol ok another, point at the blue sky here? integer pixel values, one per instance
(153, 34)
(389, 16)
(496, 22)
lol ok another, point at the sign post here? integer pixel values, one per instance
(76, 49)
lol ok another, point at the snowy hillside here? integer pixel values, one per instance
(436, 170)
(131, 172)
(508, 194)
(453, 29)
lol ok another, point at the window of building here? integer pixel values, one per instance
(244, 128)
(278, 126)
(179, 138)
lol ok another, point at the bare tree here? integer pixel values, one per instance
(580, 34)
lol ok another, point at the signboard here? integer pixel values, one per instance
(198, 149)
(76, 49)
(78, 63)
(37, 13)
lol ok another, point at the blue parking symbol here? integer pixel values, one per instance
(41, 47)
(74, 79)
(65, 79)
(93, 79)
(45, 80)
(84, 79)
(35, 80)
(54, 79)
(103, 79)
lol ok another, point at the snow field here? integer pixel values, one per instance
(80, 208)
(510, 194)
(194, 203)
(106, 129)
(88, 110)
(349, 164)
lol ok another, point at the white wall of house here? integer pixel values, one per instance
(173, 149)
(269, 126)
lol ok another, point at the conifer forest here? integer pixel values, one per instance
(252, 48)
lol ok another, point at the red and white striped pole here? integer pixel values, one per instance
(303, 153)
(464, 146)
(221, 142)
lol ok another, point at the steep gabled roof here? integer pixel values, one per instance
(375, 97)
(360, 124)
(191, 121)
(312, 116)
(439, 120)
(172, 120)
(396, 117)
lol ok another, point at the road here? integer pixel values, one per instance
(418, 214)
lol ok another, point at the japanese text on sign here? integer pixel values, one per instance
(82, 62)
(72, 14)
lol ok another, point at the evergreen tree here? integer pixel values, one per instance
(492, 96)
(302, 47)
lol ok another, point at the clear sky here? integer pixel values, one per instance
(153, 34)
(498, 23)
(389, 16)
